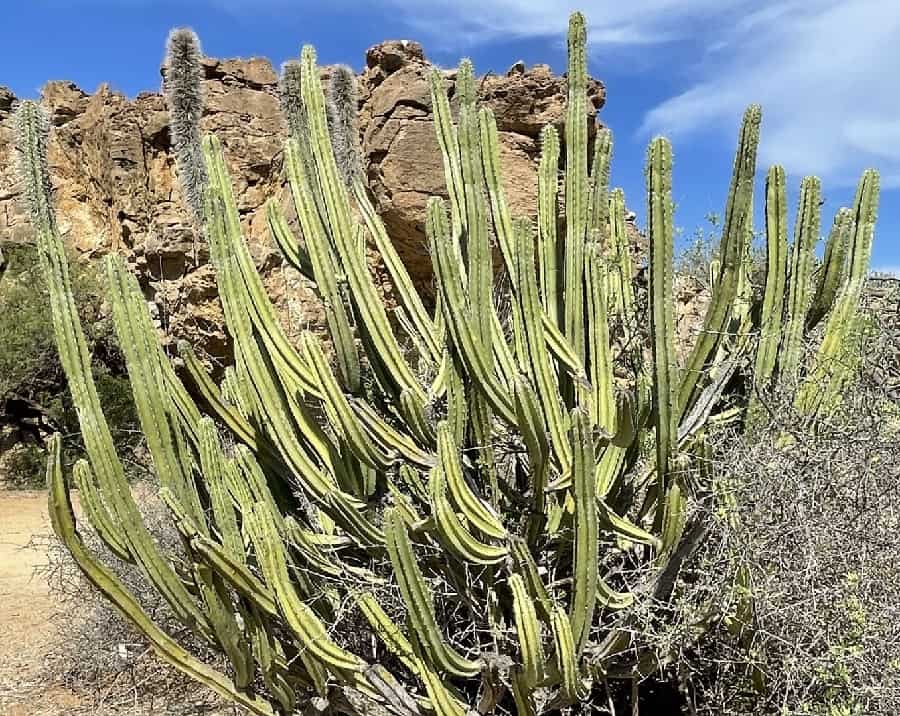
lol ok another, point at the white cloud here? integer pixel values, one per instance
(825, 71)
(638, 22)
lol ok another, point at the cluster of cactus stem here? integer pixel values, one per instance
(449, 510)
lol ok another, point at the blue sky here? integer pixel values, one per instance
(825, 71)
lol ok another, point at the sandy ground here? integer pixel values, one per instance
(25, 629)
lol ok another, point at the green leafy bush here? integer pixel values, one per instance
(34, 398)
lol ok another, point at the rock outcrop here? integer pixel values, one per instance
(114, 180)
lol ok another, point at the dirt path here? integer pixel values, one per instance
(25, 608)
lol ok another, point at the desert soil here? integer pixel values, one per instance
(26, 633)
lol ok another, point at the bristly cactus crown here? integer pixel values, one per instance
(183, 91)
(441, 508)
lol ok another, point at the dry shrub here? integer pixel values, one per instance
(813, 517)
(98, 654)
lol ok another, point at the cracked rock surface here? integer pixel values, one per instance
(113, 174)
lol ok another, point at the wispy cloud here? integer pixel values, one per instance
(825, 71)
(640, 22)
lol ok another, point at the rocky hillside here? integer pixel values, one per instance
(113, 172)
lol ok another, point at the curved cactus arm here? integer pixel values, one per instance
(386, 630)
(829, 372)
(662, 323)
(609, 598)
(576, 184)
(63, 520)
(475, 510)
(737, 209)
(299, 617)
(366, 300)
(548, 246)
(538, 359)
(228, 565)
(152, 398)
(324, 266)
(32, 138)
(97, 512)
(385, 434)
(342, 417)
(476, 357)
(406, 290)
(213, 400)
(675, 517)
(442, 700)
(531, 426)
(622, 527)
(562, 350)
(242, 292)
(418, 601)
(345, 512)
(451, 530)
(611, 464)
(528, 630)
(776, 277)
(806, 233)
(238, 575)
(584, 563)
(602, 396)
(285, 240)
(834, 268)
(309, 552)
(565, 658)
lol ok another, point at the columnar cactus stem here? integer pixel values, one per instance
(776, 277)
(341, 107)
(662, 322)
(576, 184)
(737, 209)
(824, 383)
(806, 234)
(584, 568)
(834, 268)
(548, 188)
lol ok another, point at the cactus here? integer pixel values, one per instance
(184, 100)
(436, 472)
(805, 236)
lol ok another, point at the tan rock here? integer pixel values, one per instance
(113, 174)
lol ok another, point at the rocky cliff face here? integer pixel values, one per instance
(114, 180)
